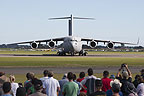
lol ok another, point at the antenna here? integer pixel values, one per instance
(70, 22)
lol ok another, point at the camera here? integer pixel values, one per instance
(123, 65)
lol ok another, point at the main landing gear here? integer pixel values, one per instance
(82, 53)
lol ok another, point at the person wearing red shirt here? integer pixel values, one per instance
(106, 81)
(81, 77)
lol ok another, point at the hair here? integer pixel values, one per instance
(98, 83)
(82, 75)
(6, 87)
(90, 71)
(140, 79)
(46, 72)
(38, 84)
(30, 75)
(12, 78)
(70, 76)
(105, 73)
(21, 91)
(74, 77)
(50, 74)
(137, 77)
(115, 88)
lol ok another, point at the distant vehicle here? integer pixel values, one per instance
(72, 45)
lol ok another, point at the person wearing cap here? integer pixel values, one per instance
(106, 81)
(125, 79)
(38, 87)
(62, 82)
(112, 77)
(118, 86)
(98, 86)
(51, 85)
(89, 82)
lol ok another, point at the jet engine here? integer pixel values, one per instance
(51, 44)
(93, 44)
(110, 45)
(34, 45)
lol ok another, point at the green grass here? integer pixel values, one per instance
(69, 61)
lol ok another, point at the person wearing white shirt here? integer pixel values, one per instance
(51, 85)
(14, 85)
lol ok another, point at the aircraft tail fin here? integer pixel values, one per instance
(70, 21)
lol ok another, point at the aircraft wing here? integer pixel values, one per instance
(107, 41)
(39, 41)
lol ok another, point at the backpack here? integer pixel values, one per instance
(128, 88)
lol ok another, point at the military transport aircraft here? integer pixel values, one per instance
(71, 44)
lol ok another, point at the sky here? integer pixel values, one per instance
(115, 20)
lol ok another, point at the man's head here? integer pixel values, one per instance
(98, 84)
(125, 74)
(74, 77)
(115, 85)
(21, 91)
(38, 85)
(82, 75)
(105, 74)
(6, 87)
(70, 76)
(45, 73)
(30, 75)
(90, 71)
(65, 76)
(50, 74)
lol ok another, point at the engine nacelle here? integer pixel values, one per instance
(51, 44)
(110, 45)
(34, 45)
(93, 44)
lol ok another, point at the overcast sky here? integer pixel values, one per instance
(116, 20)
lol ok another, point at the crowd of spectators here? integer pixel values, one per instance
(120, 84)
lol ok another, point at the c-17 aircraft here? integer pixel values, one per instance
(71, 44)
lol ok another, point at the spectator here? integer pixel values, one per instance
(28, 83)
(106, 81)
(62, 82)
(136, 82)
(45, 73)
(98, 86)
(125, 79)
(70, 88)
(81, 77)
(14, 85)
(140, 87)
(109, 92)
(21, 91)
(6, 89)
(89, 82)
(112, 77)
(3, 79)
(79, 85)
(115, 89)
(51, 85)
(38, 87)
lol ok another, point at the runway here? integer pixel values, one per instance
(89, 55)
(59, 70)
